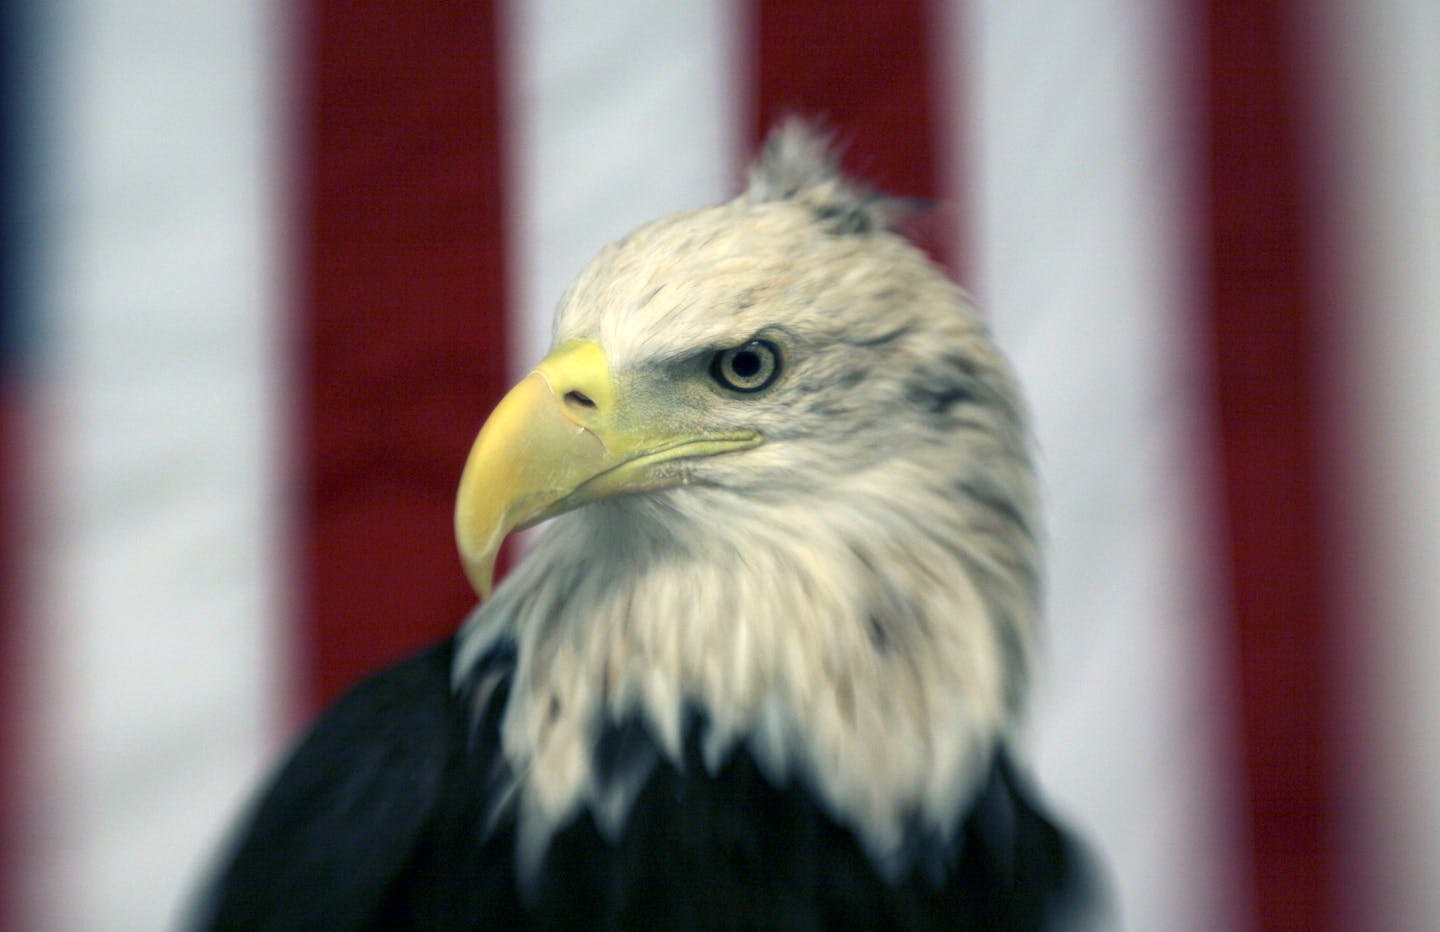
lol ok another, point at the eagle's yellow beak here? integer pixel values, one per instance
(560, 439)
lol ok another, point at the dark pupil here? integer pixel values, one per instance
(745, 364)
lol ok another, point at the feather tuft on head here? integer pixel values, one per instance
(800, 162)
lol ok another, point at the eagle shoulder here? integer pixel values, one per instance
(336, 824)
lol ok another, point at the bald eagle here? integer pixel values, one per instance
(763, 668)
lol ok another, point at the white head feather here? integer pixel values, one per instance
(854, 600)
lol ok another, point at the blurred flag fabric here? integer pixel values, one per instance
(267, 266)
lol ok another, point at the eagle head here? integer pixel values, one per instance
(791, 485)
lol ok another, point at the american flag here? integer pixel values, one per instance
(266, 267)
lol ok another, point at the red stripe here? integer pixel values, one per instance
(402, 326)
(1266, 319)
(10, 668)
(871, 72)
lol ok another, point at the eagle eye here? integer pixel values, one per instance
(746, 369)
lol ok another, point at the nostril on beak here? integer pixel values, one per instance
(579, 400)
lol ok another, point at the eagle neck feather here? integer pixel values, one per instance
(865, 659)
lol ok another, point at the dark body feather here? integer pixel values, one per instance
(380, 820)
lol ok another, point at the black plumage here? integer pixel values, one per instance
(385, 817)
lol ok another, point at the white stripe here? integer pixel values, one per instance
(1389, 88)
(158, 581)
(1077, 190)
(619, 113)
(622, 112)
